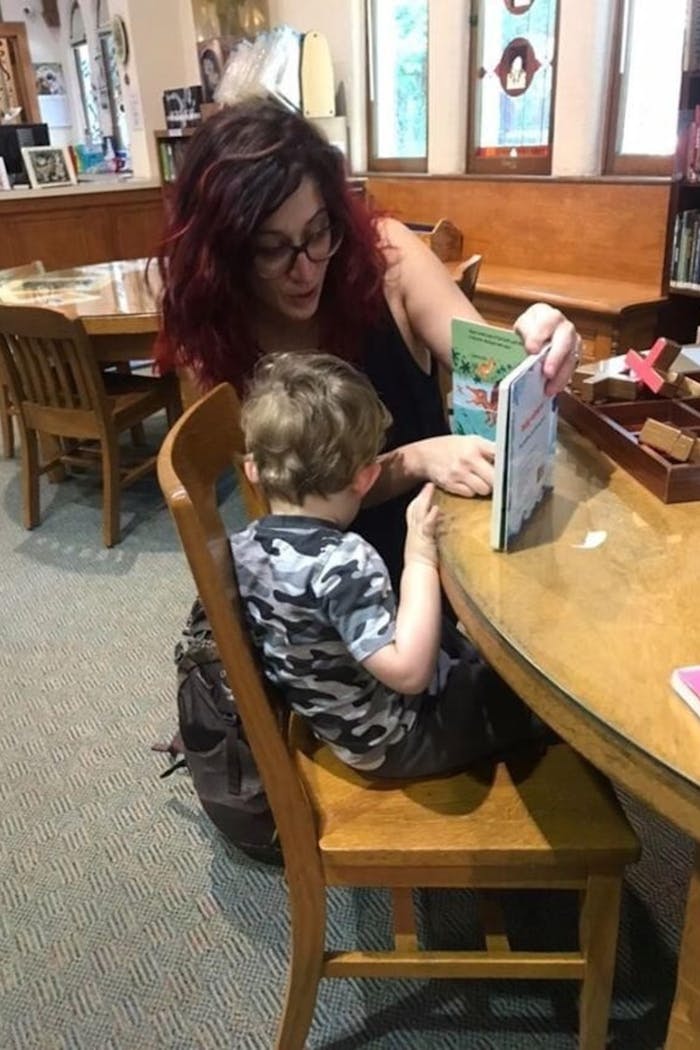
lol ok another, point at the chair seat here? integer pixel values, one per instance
(547, 811)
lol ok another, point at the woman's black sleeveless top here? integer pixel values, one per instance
(414, 400)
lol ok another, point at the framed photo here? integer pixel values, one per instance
(4, 178)
(48, 166)
(211, 66)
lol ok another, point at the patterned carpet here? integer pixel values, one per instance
(126, 923)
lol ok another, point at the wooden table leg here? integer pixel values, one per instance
(684, 1025)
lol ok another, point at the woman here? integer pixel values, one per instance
(267, 249)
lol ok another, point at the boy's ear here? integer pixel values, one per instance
(365, 479)
(250, 469)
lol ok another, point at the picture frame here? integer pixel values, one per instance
(49, 166)
(5, 183)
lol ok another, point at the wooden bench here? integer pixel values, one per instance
(611, 316)
(593, 248)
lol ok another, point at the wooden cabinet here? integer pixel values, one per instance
(73, 228)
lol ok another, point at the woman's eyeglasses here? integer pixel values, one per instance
(277, 260)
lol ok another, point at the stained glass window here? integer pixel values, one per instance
(513, 61)
(398, 88)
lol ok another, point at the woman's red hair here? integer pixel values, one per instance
(240, 166)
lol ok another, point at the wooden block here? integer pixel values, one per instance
(650, 366)
(672, 441)
(685, 386)
(610, 388)
(609, 366)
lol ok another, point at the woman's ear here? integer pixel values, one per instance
(365, 479)
(250, 469)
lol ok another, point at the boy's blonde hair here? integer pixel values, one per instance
(310, 422)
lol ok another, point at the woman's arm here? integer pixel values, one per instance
(422, 289)
(424, 299)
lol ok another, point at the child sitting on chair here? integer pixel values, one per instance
(392, 689)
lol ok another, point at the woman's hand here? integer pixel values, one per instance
(457, 464)
(538, 325)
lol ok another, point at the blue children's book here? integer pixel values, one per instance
(525, 447)
(482, 356)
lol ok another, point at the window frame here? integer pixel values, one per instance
(505, 165)
(615, 163)
(388, 164)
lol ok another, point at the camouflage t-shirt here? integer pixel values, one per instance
(318, 601)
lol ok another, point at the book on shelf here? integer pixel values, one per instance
(686, 682)
(482, 356)
(525, 448)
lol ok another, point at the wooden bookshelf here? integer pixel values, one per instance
(171, 144)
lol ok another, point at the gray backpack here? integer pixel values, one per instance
(213, 742)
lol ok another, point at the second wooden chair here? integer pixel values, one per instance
(61, 396)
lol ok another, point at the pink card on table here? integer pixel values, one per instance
(686, 682)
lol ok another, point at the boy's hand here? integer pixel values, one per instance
(422, 518)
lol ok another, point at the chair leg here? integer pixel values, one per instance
(111, 491)
(305, 969)
(598, 925)
(6, 424)
(30, 479)
(138, 432)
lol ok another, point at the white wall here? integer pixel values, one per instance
(160, 57)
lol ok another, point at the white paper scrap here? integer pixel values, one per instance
(593, 539)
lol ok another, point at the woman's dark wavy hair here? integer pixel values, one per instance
(240, 166)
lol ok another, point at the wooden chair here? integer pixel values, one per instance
(552, 822)
(467, 275)
(30, 269)
(59, 392)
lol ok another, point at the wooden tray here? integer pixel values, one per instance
(614, 427)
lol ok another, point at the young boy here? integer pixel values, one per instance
(368, 673)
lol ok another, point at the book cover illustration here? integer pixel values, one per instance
(525, 448)
(482, 356)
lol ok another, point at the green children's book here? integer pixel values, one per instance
(482, 356)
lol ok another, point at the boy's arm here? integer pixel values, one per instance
(408, 663)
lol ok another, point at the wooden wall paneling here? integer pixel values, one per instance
(61, 239)
(79, 228)
(591, 228)
(137, 229)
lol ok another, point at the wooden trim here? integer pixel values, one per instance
(16, 35)
(613, 99)
(642, 164)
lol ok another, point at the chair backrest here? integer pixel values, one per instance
(51, 370)
(467, 275)
(30, 269)
(205, 443)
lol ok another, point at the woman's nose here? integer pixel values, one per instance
(303, 267)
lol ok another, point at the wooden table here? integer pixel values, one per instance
(112, 299)
(586, 619)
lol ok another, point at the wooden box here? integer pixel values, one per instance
(614, 427)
